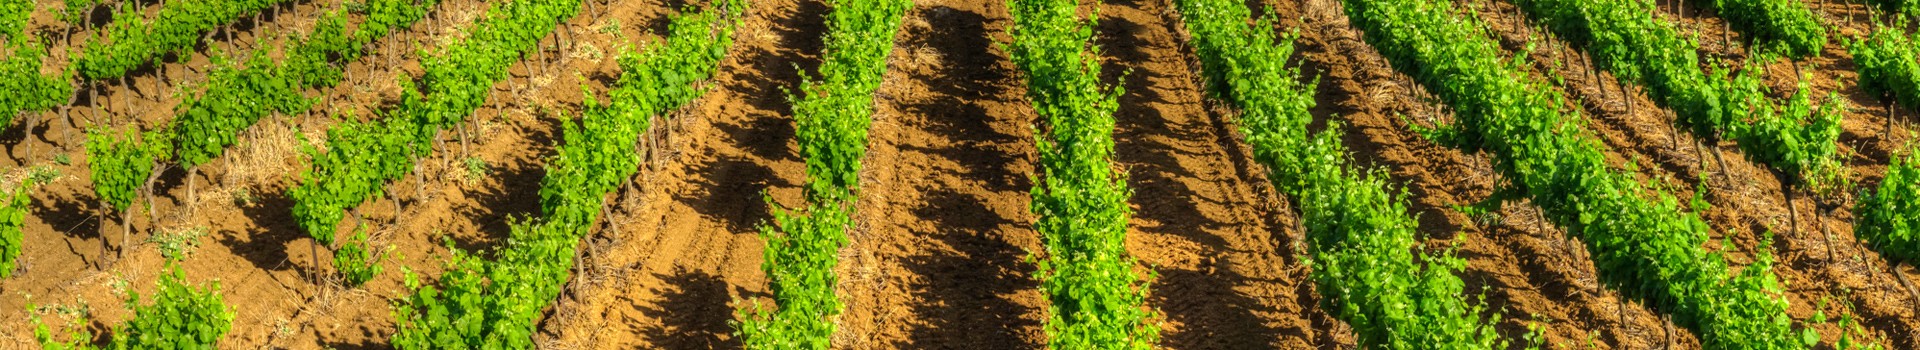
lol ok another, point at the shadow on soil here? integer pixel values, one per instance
(1213, 313)
(730, 186)
(968, 291)
(693, 312)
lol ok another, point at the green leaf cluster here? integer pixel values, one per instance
(494, 304)
(1796, 136)
(13, 216)
(180, 317)
(359, 157)
(356, 263)
(75, 11)
(1890, 215)
(1786, 26)
(1889, 63)
(1643, 243)
(26, 89)
(237, 97)
(121, 160)
(1095, 300)
(133, 41)
(1361, 236)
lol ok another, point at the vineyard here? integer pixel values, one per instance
(1005, 174)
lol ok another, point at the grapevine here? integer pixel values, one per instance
(1798, 137)
(132, 42)
(13, 216)
(26, 88)
(1890, 215)
(1787, 26)
(180, 317)
(1361, 236)
(831, 116)
(1095, 299)
(479, 303)
(1889, 64)
(122, 162)
(1642, 242)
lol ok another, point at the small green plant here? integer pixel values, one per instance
(243, 197)
(43, 174)
(180, 317)
(175, 245)
(611, 27)
(357, 265)
(13, 216)
(77, 315)
(1852, 335)
(63, 159)
(476, 168)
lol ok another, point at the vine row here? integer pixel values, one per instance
(486, 304)
(361, 157)
(1095, 300)
(831, 116)
(1642, 242)
(131, 42)
(1625, 37)
(26, 89)
(1361, 236)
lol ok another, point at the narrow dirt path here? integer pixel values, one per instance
(667, 266)
(938, 260)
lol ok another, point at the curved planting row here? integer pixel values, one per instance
(482, 304)
(1361, 237)
(1095, 301)
(1626, 38)
(362, 156)
(129, 43)
(831, 116)
(1643, 243)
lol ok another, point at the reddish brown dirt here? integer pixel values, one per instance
(1205, 220)
(681, 252)
(1819, 261)
(1531, 273)
(938, 260)
(938, 257)
(252, 246)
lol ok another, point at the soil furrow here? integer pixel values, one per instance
(1204, 221)
(938, 261)
(682, 250)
